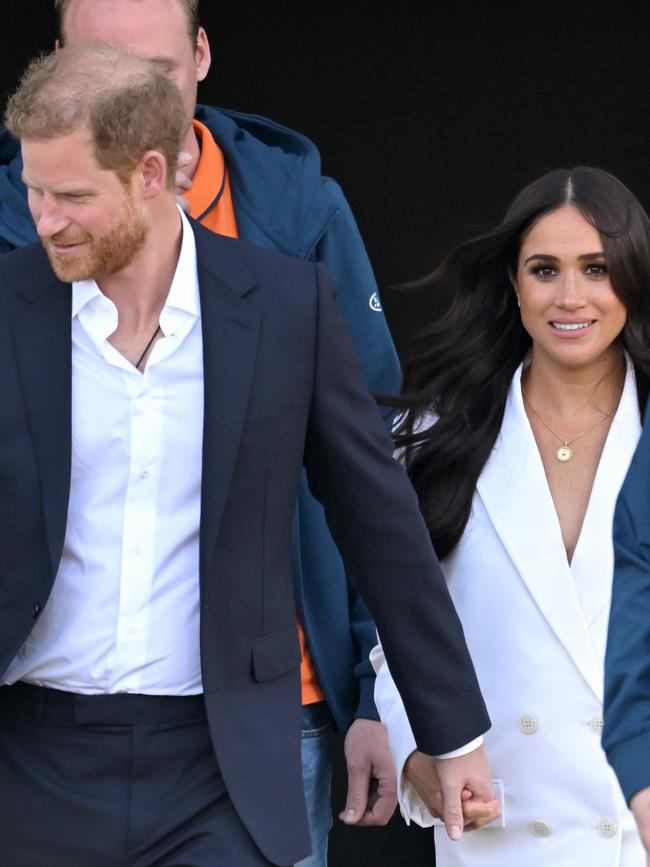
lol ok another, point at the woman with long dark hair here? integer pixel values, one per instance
(520, 412)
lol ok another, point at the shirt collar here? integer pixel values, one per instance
(183, 293)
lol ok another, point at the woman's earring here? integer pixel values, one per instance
(518, 301)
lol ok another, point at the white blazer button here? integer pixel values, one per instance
(596, 725)
(541, 829)
(528, 724)
(608, 827)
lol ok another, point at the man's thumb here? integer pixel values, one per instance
(357, 799)
(453, 815)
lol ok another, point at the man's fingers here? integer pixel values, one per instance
(182, 182)
(468, 771)
(640, 804)
(372, 787)
(480, 813)
(452, 814)
(357, 799)
(183, 203)
(382, 800)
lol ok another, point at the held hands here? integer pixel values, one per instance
(458, 791)
(183, 182)
(372, 786)
(640, 805)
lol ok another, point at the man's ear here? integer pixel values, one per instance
(151, 174)
(202, 56)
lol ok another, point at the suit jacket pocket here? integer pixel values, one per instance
(276, 654)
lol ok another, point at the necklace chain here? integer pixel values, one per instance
(564, 453)
(148, 347)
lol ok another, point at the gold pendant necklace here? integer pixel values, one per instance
(564, 453)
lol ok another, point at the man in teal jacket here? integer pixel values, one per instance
(281, 202)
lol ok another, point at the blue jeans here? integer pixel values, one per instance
(317, 776)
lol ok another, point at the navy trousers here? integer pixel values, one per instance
(113, 781)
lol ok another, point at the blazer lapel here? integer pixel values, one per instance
(516, 496)
(230, 318)
(42, 342)
(595, 542)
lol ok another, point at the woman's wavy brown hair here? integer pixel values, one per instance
(461, 366)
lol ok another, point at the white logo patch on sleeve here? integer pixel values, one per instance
(375, 303)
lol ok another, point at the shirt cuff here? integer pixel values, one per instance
(462, 751)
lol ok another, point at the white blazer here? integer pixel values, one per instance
(536, 628)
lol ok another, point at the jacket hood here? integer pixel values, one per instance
(280, 198)
(16, 224)
(276, 178)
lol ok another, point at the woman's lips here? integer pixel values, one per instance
(572, 328)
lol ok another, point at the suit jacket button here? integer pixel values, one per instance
(528, 724)
(608, 828)
(36, 610)
(596, 725)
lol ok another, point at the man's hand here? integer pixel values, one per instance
(372, 787)
(458, 791)
(640, 805)
(183, 181)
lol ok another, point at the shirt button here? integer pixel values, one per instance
(144, 475)
(132, 627)
(146, 402)
(596, 725)
(541, 829)
(137, 551)
(528, 724)
(607, 827)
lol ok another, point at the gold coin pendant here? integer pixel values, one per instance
(564, 454)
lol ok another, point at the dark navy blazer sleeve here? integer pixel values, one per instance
(372, 512)
(626, 734)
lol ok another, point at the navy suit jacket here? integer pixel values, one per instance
(282, 391)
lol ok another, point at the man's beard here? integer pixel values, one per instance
(104, 255)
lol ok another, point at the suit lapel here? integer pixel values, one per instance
(230, 319)
(516, 496)
(42, 341)
(595, 542)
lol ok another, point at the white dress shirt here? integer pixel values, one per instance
(123, 615)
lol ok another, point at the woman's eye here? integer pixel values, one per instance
(544, 272)
(596, 270)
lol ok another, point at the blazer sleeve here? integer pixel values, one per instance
(372, 512)
(626, 733)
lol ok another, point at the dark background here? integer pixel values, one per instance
(431, 115)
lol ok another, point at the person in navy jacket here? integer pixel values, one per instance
(281, 202)
(626, 731)
(163, 386)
